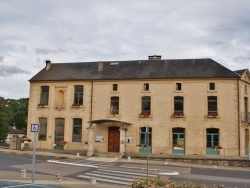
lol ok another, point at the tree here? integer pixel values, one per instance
(19, 113)
(3, 119)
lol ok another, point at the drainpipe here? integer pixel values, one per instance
(91, 103)
(238, 89)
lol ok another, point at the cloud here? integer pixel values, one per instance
(9, 70)
(46, 51)
(1, 59)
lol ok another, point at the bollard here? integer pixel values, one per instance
(58, 177)
(23, 174)
(77, 155)
(128, 158)
(92, 180)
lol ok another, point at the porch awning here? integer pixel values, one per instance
(100, 121)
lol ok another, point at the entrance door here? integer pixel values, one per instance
(114, 139)
(59, 133)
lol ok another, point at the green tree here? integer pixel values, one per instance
(3, 119)
(18, 113)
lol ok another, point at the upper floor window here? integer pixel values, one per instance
(211, 86)
(114, 106)
(44, 97)
(178, 86)
(146, 87)
(42, 135)
(146, 103)
(212, 105)
(115, 87)
(178, 104)
(78, 95)
(245, 90)
(77, 130)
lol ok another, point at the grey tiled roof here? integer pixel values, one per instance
(240, 72)
(137, 69)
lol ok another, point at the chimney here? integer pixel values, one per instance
(154, 57)
(48, 64)
(100, 66)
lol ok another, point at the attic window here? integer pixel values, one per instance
(146, 87)
(212, 86)
(178, 87)
(115, 87)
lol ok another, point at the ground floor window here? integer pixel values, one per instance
(42, 135)
(59, 132)
(247, 142)
(145, 140)
(178, 140)
(77, 130)
(212, 141)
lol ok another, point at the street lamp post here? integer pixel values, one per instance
(147, 141)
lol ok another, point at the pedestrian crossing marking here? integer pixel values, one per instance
(114, 176)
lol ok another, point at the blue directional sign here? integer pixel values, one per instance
(35, 128)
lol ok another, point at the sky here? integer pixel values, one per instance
(33, 31)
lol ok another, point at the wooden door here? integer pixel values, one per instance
(113, 139)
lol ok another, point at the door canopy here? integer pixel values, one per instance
(109, 121)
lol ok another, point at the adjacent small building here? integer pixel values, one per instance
(178, 106)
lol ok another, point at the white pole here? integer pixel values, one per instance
(147, 140)
(34, 158)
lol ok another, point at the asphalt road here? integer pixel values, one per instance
(122, 171)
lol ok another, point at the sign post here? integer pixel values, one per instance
(35, 129)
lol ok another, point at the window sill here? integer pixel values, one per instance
(178, 116)
(145, 116)
(42, 106)
(114, 115)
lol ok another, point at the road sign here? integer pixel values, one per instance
(35, 128)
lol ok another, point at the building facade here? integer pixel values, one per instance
(190, 106)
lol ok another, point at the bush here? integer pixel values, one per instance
(166, 183)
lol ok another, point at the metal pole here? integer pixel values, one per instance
(34, 158)
(147, 139)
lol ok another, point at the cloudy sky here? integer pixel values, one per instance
(32, 31)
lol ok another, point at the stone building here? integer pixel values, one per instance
(182, 106)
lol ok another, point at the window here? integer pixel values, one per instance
(245, 109)
(146, 139)
(245, 88)
(77, 130)
(78, 95)
(211, 86)
(114, 106)
(115, 87)
(146, 87)
(212, 141)
(42, 135)
(178, 140)
(178, 104)
(212, 105)
(178, 87)
(146, 104)
(44, 98)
